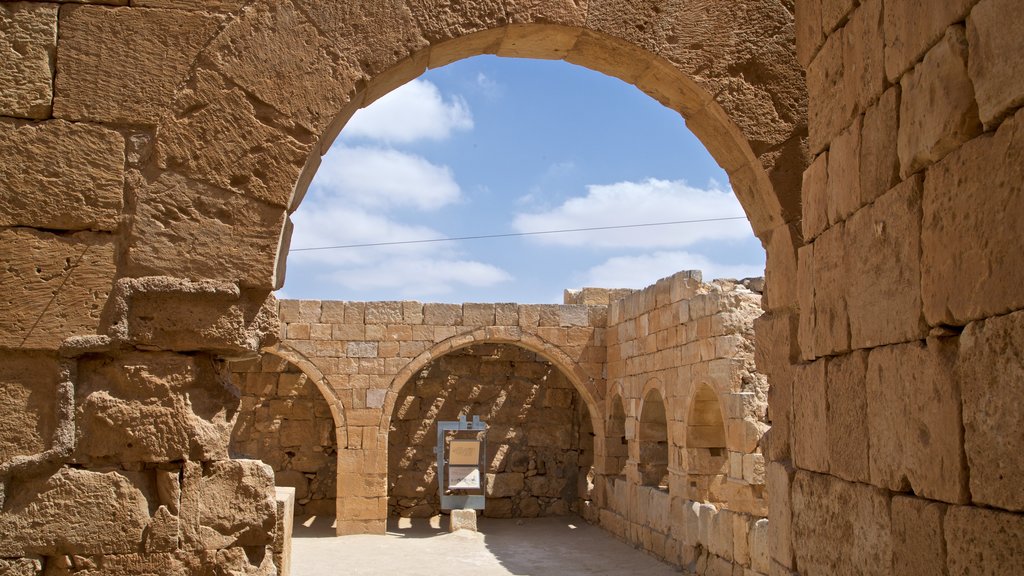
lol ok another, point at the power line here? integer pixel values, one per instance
(516, 234)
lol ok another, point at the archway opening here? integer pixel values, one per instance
(616, 445)
(285, 421)
(652, 437)
(706, 453)
(540, 442)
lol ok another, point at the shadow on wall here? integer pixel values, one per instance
(539, 444)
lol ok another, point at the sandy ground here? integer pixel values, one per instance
(539, 546)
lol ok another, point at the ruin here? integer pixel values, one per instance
(153, 151)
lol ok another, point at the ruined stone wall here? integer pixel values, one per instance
(285, 421)
(691, 345)
(537, 442)
(896, 445)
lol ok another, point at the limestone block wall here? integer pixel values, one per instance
(285, 421)
(896, 439)
(684, 350)
(539, 444)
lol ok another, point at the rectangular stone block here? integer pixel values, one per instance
(237, 504)
(914, 26)
(879, 159)
(28, 40)
(937, 110)
(55, 286)
(815, 198)
(805, 293)
(810, 423)
(442, 314)
(915, 435)
(123, 64)
(383, 313)
(831, 320)
(839, 527)
(848, 417)
(983, 542)
(28, 403)
(780, 514)
(883, 264)
(993, 30)
(917, 540)
(830, 107)
(972, 265)
(991, 373)
(842, 190)
(864, 53)
(478, 314)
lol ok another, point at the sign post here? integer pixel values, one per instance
(461, 463)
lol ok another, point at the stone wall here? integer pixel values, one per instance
(538, 449)
(285, 421)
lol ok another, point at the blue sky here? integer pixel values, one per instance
(496, 146)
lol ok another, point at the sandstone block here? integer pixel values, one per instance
(240, 152)
(28, 401)
(75, 511)
(805, 293)
(984, 542)
(971, 263)
(993, 32)
(840, 527)
(780, 514)
(383, 313)
(917, 540)
(831, 318)
(462, 520)
(285, 499)
(61, 176)
(151, 407)
(183, 228)
(914, 427)
(442, 314)
(28, 39)
(913, 26)
(810, 422)
(56, 286)
(937, 111)
(760, 559)
(848, 417)
(815, 198)
(809, 33)
(123, 64)
(879, 158)
(842, 189)
(991, 374)
(780, 271)
(21, 567)
(478, 314)
(504, 484)
(238, 502)
(830, 106)
(883, 288)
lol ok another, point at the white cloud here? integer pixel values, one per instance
(327, 224)
(419, 277)
(380, 177)
(414, 111)
(644, 202)
(646, 269)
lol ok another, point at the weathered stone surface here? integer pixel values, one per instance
(780, 514)
(805, 295)
(20, 567)
(241, 151)
(123, 64)
(809, 33)
(843, 186)
(914, 26)
(879, 159)
(831, 319)
(983, 542)
(972, 266)
(937, 111)
(841, 528)
(914, 430)
(183, 228)
(59, 175)
(991, 373)
(238, 503)
(151, 407)
(285, 498)
(28, 395)
(810, 424)
(55, 286)
(917, 541)
(815, 198)
(993, 30)
(28, 41)
(462, 520)
(848, 417)
(69, 512)
(883, 265)
(439, 21)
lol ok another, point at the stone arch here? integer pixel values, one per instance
(705, 448)
(318, 378)
(652, 436)
(247, 129)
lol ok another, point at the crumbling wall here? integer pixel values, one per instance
(687, 348)
(285, 421)
(535, 442)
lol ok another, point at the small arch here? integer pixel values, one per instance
(706, 453)
(318, 378)
(652, 437)
(616, 443)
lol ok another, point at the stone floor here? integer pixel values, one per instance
(541, 546)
